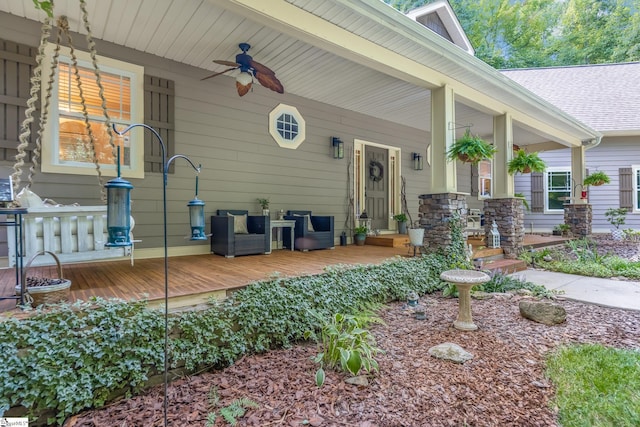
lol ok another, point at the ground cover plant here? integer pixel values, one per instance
(594, 257)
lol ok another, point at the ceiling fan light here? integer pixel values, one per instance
(244, 78)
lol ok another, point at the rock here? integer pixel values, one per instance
(525, 292)
(481, 295)
(547, 258)
(360, 380)
(450, 351)
(547, 313)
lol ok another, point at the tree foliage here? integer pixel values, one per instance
(536, 33)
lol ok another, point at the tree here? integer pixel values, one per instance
(535, 33)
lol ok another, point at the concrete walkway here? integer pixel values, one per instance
(593, 290)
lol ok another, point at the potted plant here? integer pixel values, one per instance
(360, 235)
(597, 178)
(524, 162)
(401, 219)
(264, 204)
(561, 229)
(470, 149)
(416, 235)
(616, 217)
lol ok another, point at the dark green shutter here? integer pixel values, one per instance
(159, 106)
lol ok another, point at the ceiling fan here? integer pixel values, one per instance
(248, 70)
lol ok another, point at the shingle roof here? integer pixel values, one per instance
(605, 97)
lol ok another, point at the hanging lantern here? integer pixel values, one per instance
(196, 217)
(118, 209)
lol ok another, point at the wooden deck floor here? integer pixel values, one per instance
(193, 279)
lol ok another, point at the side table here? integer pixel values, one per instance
(279, 224)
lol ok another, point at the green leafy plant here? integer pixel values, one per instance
(361, 229)
(346, 344)
(470, 149)
(264, 203)
(44, 5)
(237, 409)
(616, 216)
(524, 200)
(400, 217)
(597, 178)
(524, 162)
(563, 228)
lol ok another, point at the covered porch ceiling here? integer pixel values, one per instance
(357, 55)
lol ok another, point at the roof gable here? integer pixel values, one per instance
(606, 96)
(442, 20)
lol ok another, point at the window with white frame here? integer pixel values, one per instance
(557, 188)
(286, 126)
(636, 188)
(484, 179)
(69, 147)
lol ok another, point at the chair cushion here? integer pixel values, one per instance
(309, 224)
(239, 224)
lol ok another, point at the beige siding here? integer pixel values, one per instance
(229, 136)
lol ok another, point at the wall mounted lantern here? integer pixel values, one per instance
(338, 148)
(118, 210)
(196, 216)
(417, 161)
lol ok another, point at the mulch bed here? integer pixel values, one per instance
(504, 384)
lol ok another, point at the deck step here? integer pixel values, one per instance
(388, 240)
(505, 266)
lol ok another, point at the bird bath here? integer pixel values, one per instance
(464, 281)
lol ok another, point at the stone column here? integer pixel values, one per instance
(434, 209)
(578, 217)
(508, 213)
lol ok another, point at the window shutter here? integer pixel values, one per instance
(159, 105)
(626, 187)
(475, 180)
(16, 64)
(537, 192)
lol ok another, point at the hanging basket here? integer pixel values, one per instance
(43, 290)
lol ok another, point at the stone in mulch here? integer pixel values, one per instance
(450, 351)
(547, 313)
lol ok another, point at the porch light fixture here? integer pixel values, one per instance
(165, 171)
(338, 148)
(118, 210)
(418, 163)
(196, 216)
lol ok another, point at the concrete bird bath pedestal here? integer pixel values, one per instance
(464, 281)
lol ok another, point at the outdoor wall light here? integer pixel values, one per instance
(196, 216)
(338, 148)
(417, 161)
(118, 210)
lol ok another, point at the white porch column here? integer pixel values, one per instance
(578, 169)
(443, 172)
(503, 182)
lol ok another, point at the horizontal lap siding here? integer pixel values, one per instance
(240, 160)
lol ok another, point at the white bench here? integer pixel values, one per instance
(73, 233)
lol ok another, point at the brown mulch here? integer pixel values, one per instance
(503, 385)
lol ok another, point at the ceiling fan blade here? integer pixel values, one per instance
(269, 81)
(217, 74)
(261, 68)
(227, 63)
(243, 89)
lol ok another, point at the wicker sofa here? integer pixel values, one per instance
(225, 239)
(322, 236)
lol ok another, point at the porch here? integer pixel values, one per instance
(194, 279)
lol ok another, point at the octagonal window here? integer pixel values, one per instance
(286, 126)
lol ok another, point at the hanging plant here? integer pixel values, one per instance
(597, 178)
(524, 162)
(470, 149)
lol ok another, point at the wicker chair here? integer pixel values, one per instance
(320, 238)
(226, 241)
